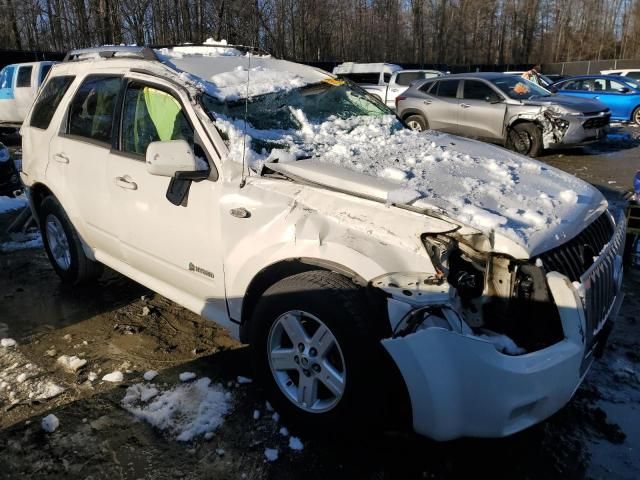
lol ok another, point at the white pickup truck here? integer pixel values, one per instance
(385, 81)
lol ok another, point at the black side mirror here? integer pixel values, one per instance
(553, 89)
(492, 99)
(625, 90)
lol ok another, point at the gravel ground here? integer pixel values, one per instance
(118, 325)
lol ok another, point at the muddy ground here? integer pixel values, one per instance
(117, 324)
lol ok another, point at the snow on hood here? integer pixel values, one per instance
(489, 188)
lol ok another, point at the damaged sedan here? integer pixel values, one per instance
(503, 109)
(367, 265)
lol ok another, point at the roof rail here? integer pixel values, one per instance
(144, 53)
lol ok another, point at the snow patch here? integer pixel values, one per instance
(295, 444)
(150, 375)
(71, 364)
(246, 83)
(186, 376)
(8, 204)
(113, 377)
(271, 454)
(8, 342)
(402, 196)
(243, 380)
(31, 240)
(185, 411)
(50, 423)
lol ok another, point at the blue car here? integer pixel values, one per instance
(620, 94)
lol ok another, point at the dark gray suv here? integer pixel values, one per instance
(503, 109)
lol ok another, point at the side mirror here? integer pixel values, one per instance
(553, 89)
(492, 99)
(170, 158)
(625, 90)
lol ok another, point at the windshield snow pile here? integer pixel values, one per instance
(482, 190)
(212, 48)
(232, 85)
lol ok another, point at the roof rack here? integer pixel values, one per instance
(242, 48)
(144, 53)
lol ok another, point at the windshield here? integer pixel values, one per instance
(276, 120)
(518, 88)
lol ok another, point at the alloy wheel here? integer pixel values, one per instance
(58, 242)
(306, 361)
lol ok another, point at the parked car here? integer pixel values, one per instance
(545, 81)
(620, 94)
(503, 109)
(317, 228)
(9, 179)
(383, 81)
(19, 84)
(633, 73)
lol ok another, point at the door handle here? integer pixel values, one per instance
(427, 102)
(597, 97)
(465, 105)
(395, 89)
(126, 183)
(61, 158)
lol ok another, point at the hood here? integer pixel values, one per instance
(523, 206)
(575, 104)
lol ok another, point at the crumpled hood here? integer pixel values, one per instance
(575, 104)
(523, 206)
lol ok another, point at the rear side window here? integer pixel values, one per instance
(408, 77)
(48, 101)
(92, 108)
(6, 77)
(476, 90)
(428, 87)
(447, 88)
(151, 115)
(634, 75)
(24, 77)
(43, 72)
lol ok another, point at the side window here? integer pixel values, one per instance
(92, 108)
(571, 85)
(48, 101)
(24, 77)
(475, 90)
(448, 88)
(43, 72)
(428, 87)
(615, 87)
(387, 77)
(6, 77)
(634, 75)
(151, 115)
(599, 84)
(408, 77)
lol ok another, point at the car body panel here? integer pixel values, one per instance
(15, 97)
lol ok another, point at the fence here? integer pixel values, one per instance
(588, 67)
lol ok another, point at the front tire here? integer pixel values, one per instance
(63, 246)
(315, 351)
(635, 116)
(526, 139)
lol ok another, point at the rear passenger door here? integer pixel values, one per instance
(482, 112)
(78, 157)
(25, 89)
(442, 106)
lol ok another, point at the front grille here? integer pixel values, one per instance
(601, 282)
(574, 257)
(597, 122)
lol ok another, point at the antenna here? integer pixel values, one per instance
(243, 181)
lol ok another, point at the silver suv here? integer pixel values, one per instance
(503, 109)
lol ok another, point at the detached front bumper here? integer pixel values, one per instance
(582, 130)
(460, 385)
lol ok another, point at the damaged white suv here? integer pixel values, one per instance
(289, 207)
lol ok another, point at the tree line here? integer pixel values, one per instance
(405, 31)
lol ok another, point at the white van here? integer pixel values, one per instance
(19, 84)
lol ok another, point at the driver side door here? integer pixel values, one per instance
(174, 249)
(481, 118)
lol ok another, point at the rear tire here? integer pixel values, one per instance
(63, 246)
(526, 139)
(635, 116)
(417, 123)
(321, 389)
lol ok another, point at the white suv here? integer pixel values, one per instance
(349, 251)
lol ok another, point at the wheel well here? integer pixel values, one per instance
(38, 192)
(279, 271)
(520, 121)
(409, 113)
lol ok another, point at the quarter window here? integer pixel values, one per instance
(6, 77)
(615, 87)
(43, 71)
(151, 115)
(48, 101)
(448, 88)
(475, 90)
(407, 78)
(24, 77)
(92, 108)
